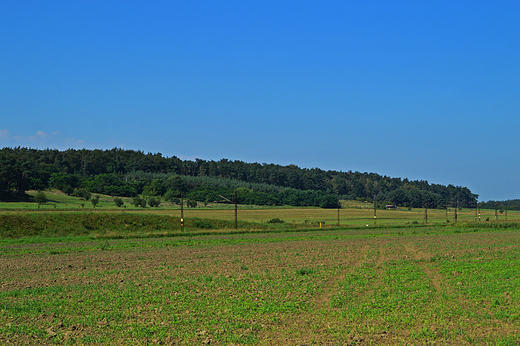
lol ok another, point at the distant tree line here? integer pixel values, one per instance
(130, 173)
(512, 204)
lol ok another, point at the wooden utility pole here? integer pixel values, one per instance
(182, 213)
(456, 207)
(426, 213)
(236, 216)
(496, 211)
(446, 211)
(338, 210)
(375, 217)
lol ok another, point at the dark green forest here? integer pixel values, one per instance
(129, 173)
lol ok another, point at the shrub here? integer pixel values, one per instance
(94, 201)
(68, 190)
(40, 198)
(139, 202)
(154, 202)
(276, 220)
(82, 193)
(118, 202)
(202, 224)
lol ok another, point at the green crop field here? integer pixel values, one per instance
(439, 284)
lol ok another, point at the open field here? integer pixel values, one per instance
(354, 213)
(328, 217)
(348, 217)
(397, 286)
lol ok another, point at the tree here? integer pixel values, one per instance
(94, 200)
(68, 190)
(171, 197)
(82, 193)
(139, 202)
(154, 202)
(329, 201)
(176, 185)
(40, 198)
(118, 202)
(398, 197)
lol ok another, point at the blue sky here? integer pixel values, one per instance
(425, 90)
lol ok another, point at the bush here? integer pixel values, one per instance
(40, 198)
(82, 193)
(118, 202)
(202, 224)
(139, 202)
(154, 202)
(276, 220)
(68, 190)
(94, 201)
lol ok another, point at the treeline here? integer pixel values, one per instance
(512, 204)
(119, 172)
(171, 187)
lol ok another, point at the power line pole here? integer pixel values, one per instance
(182, 213)
(456, 207)
(446, 211)
(375, 217)
(235, 201)
(496, 211)
(426, 213)
(338, 210)
(236, 216)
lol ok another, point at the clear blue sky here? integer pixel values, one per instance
(425, 90)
